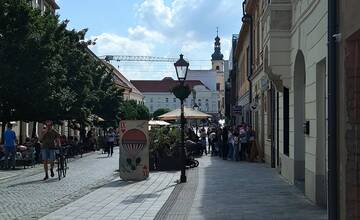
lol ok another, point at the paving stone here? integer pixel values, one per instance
(220, 189)
(26, 196)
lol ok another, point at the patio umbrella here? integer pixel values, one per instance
(158, 122)
(95, 118)
(189, 113)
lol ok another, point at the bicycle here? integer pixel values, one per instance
(61, 159)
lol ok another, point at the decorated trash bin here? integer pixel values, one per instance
(134, 150)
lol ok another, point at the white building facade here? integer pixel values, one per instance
(157, 95)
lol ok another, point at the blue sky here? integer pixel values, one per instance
(163, 28)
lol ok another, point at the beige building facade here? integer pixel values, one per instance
(348, 115)
(286, 64)
(295, 58)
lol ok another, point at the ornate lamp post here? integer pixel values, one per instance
(182, 92)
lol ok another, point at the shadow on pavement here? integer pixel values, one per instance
(102, 157)
(35, 182)
(140, 198)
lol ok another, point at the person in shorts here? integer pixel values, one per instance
(50, 139)
(10, 147)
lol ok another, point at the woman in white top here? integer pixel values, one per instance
(110, 139)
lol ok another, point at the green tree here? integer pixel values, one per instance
(159, 112)
(133, 111)
(47, 71)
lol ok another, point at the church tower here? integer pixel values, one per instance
(217, 62)
(217, 57)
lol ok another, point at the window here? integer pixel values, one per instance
(217, 68)
(217, 86)
(174, 99)
(151, 100)
(166, 100)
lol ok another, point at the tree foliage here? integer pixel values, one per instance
(48, 72)
(131, 110)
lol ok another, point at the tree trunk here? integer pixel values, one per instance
(82, 132)
(3, 126)
(20, 132)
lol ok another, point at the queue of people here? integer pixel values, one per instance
(237, 143)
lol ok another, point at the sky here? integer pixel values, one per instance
(163, 28)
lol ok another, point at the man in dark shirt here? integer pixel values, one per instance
(50, 140)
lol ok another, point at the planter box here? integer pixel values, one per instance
(169, 163)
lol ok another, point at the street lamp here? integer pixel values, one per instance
(181, 67)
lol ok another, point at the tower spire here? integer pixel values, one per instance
(217, 55)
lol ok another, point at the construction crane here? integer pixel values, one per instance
(109, 58)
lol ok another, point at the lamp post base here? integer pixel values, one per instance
(182, 179)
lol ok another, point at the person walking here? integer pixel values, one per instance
(110, 139)
(10, 147)
(50, 139)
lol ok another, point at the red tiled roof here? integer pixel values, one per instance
(164, 85)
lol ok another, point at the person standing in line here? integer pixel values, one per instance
(225, 142)
(37, 146)
(237, 146)
(243, 136)
(203, 139)
(10, 147)
(110, 139)
(230, 144)
(253, 151)
(212, 141)
(50, 139)
(218, 145)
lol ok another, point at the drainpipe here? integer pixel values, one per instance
(332, 112)
(247, 19)
(272, 126)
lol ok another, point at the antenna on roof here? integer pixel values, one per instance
(217, 31)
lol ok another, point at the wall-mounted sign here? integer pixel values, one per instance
(237, 109)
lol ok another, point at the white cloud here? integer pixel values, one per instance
(166, 28)
(108, 43)
(155, 13)
(142, 33)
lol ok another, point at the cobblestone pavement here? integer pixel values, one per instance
(237, 190)
(122, 200)
(28, 197)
